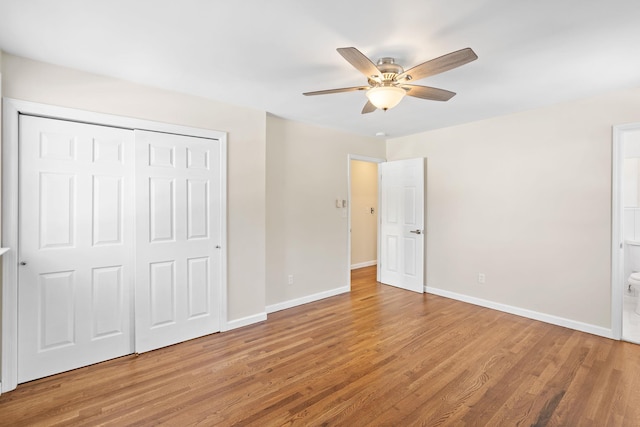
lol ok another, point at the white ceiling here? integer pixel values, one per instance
(264, 54)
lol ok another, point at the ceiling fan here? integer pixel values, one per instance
(389, 82)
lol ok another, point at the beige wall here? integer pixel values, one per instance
(44, 83)
(364, 224)
(525, 199)
(307, 169)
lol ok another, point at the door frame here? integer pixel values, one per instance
(370, 160)
(617, 224)
(12, 109)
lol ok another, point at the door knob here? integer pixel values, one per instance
(416, 231)
(23, 263)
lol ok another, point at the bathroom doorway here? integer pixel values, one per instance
(626, 233)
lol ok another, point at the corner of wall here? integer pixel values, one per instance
(307, 236)
(502, 200)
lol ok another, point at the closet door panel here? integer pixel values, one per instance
(177, 239)
(76, 244)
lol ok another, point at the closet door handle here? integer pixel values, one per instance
(416, 231)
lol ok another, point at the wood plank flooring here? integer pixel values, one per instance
(378, 356)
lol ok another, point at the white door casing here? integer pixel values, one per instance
(76, 245)
(178, 239)
(402, 230)
(618, 279)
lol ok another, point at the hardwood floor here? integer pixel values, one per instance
(378, 356)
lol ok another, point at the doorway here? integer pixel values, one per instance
(625, 230)
(363, 204)
(400, 240)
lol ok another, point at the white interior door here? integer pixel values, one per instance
(402, 223)
(178, 256)
(76, 245)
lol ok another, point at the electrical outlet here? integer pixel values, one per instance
(290, 279)
(481, 278)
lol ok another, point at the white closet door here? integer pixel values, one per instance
(402, 223)
(177, 235)
(76, 245)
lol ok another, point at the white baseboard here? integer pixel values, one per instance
(244, 321)
(307, 299)
(530, 314)
(364, 264)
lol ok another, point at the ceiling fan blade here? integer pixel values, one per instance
(369, 108)
(426, 92)
(439, 65)
(359, 61)
(344, 89)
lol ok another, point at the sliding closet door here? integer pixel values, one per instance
(119, 231)
(178, 235)
(76, 244)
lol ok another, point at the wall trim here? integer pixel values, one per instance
(364, 264)
(307, 299)
(522, 312)
(243, 321)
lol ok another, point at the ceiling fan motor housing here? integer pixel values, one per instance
(388, 65)
(389, 69)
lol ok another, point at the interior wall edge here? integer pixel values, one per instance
(307, 299)
(522, 312)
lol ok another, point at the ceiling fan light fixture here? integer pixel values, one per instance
(385, 97)
(387, 81)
